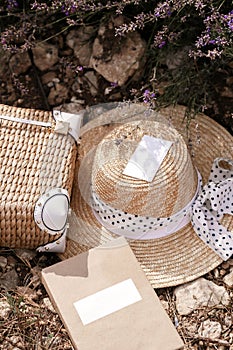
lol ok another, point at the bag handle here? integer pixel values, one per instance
(65, 123)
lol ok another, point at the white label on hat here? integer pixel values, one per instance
(107, 301)
(147, 158)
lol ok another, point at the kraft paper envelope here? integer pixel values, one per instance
(106, 302)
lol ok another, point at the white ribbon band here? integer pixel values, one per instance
(205, 211)
(141, 227)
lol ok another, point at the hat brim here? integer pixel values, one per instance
(182, 256)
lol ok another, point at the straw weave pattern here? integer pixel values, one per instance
(181, 256)
(33, 159)
(170, 191)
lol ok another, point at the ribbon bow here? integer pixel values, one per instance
(213, 201)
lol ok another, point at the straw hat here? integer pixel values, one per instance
(153, 215)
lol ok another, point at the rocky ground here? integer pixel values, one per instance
(201, 310)
(87, 66)
(74, 71)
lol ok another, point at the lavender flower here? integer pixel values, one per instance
(114, 84)
(172, 21)
(162, 44)
(148, 96)
(12, 4)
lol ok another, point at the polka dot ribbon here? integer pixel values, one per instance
(214, 200)
(205, 211)
(141, 227)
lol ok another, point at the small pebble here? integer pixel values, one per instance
(3, 262)
(11, 262)
(56, 80)
(48, 304)
(228, 279)
(225, 265)
(5, 309)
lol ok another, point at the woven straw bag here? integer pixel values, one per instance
(37, 159)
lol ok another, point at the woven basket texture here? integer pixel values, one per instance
(33, 159)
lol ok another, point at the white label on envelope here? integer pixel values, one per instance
(147, 158)
(107, 301)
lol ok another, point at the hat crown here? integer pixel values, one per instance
(173, 186)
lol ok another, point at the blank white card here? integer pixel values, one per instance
(107, 301)
(147, 158)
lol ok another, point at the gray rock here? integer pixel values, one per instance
(25, 254)
(199, 293)
(178, 58)
(11, 262)
(228, 279)
(92, 82)
(72, 107)
(48, 78)
(228, 321)
(3, 262)
(45, 56)
(5, 309)
(80, 41)
(4, 61)
(226, 92)
(58, 94)
(20, 63)
(210, 329)
(9, 280)
(117, 61)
